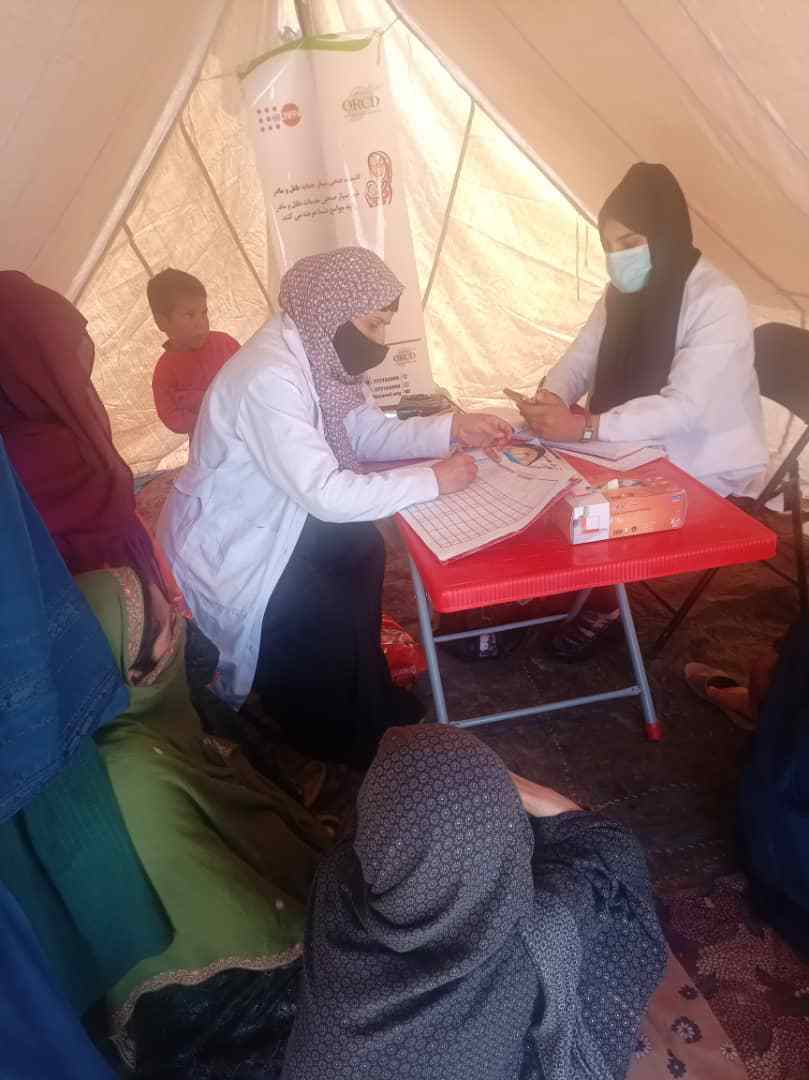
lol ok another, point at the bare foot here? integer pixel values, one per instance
(731, 698)
(541, 801)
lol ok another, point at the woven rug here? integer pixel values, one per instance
(756, 985)
(741, 995)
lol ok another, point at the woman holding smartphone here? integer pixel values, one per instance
(666, 357)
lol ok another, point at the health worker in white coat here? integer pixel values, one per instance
(666, 357)
(269, 527)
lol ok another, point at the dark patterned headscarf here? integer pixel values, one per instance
(441, 946)
(320, 293)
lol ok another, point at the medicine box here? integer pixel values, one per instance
(621, 508)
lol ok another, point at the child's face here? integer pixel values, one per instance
(186, 326)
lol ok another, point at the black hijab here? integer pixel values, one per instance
(638, 345)
(441, 946)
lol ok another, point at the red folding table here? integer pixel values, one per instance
(539, 561)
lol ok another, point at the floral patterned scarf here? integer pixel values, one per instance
(320, 293)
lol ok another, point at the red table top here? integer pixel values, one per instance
(540, 561)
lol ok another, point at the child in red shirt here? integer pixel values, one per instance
(193, 353)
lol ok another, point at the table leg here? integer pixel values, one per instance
(580, 600)
(426, 625)
(653, 731)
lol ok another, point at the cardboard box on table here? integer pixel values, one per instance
(621, 508)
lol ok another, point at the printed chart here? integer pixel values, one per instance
(505, 497)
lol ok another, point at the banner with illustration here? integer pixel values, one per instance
(323, 124)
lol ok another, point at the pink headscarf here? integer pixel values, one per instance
(320, 293)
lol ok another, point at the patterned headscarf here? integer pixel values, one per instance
(441, 946)
(320, 293)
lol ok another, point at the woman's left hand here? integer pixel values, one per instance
(553, 422)
(480, 430)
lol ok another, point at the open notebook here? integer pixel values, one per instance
(617, 456)
(505, 497)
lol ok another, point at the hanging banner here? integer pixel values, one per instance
(324, 128)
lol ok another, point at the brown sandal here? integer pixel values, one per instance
(702, 678)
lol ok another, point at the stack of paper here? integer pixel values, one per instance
(617, 456)
(505, 497)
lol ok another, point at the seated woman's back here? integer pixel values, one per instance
(456, 937)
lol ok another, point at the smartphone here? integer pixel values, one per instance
(515, 395)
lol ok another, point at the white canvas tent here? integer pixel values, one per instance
(125, 150)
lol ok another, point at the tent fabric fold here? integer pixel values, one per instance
(127, 151)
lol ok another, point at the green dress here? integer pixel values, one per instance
(230, 855)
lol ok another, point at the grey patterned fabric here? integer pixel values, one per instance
(457, 939)
(320, 293)
(597, 946)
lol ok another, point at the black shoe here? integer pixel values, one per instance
(578, 639)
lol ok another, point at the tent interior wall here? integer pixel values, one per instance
(517, 119)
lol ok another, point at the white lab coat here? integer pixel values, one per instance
(709, 414)
(259, 464)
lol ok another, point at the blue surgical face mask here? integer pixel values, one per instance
(629, 270)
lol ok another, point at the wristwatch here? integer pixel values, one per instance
(589, 428)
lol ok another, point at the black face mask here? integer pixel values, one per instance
(356, 351)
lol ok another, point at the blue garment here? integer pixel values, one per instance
(58, 679)
(773, 817)
(65, 853)
(42, 1039)
(68, 859)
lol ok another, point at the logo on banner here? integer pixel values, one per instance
(270, 117)
(362, 101)
(404, 356)
(379, 188)
(291, 114)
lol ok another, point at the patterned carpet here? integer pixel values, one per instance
(678, 795)
(755, 984)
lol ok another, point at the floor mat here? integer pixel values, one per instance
(678, 795)
(756, 985)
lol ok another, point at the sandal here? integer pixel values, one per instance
(578, 639)
(702, 679)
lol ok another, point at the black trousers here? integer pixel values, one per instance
(321, 674)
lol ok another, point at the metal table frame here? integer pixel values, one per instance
(640, 688)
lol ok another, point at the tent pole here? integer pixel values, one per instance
(306, 19)
(193, 149)
(79, 285)
(448, 208)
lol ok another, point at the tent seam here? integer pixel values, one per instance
(450, 202)
(221, 207)
(35, 87)
(780, 289)
(89, 274)
(738, 79)
(488, 109)
(138, 253)
(757, 166)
